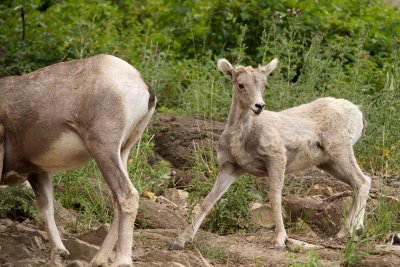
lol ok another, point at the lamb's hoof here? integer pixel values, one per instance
(176, 246)
(63, 253)
(360, 232)
(279, 246)
(98, 264)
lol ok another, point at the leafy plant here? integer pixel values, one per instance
(18, 202)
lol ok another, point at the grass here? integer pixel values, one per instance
(195, 87)
(312, 261)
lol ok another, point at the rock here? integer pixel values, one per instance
(175, 137)
(153, 215)
(21, 227)
(39, 243)
(293, 244)
(389, 260)
(321, 190)
(63, 216)
(77, 263)
(80, 250)
(324, 218)
(177, 196)
(262, 215)
(14, 251)
(347, 204)
(180, 178)
(4, 224)
(391, 249)
(96, 237)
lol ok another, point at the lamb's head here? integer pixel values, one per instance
(248, 83)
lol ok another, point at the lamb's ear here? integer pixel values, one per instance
(226, 68)
(267, 69)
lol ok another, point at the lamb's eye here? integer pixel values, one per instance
(241, 86)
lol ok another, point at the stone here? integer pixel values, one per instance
(321, 190)
(96, 237)
(77, 263)
(39, 243)
(23, 228)
(176, 137)
(262, 215)
(323, 218)
(153, 215)
(346, 205)
(177, 196)
(80, 250)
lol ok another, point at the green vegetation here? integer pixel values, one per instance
(313, 260)
(346, 49)
(16, 202)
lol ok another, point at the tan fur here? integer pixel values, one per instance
(59, 117)
(264, 143)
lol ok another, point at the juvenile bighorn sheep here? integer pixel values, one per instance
(59, 117)
(264, 143)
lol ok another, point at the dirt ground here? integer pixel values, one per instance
(26, 244)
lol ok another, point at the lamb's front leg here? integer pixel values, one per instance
(276, 173)
(227, 175)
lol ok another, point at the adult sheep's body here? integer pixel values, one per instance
(59, 117)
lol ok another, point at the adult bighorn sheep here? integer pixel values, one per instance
(265, 143)
(59, 117)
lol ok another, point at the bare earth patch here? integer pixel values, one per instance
(26, 244)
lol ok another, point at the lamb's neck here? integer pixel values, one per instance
(237, 116)
(239, 124)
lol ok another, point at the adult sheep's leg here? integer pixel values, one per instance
(227, 175)
(101, 258)
(276, 173)
(346, 169)
(43, 188)
(126, 198)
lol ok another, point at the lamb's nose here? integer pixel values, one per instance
(260, 106)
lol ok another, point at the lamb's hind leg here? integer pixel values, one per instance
(346, 169)
(227, 175)
(43, 188)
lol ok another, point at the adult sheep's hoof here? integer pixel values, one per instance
(176, 246)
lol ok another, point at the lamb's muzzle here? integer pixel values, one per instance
(258, 108)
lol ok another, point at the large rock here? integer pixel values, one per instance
(96, 237)
(175, 137)
(153, 215)
(177, 196)
(80, 250)
(262, 215)
(323, 218)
